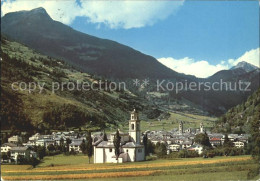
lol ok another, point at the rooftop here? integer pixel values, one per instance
(19, 148)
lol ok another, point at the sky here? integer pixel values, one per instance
(191, 37)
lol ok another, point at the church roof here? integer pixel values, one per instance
(131, 145)
(134, 111)
(19, 148)
(120, 132)
(106, 144)
(9, 144)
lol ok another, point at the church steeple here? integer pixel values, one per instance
(134, 127)
(202, 128)
(181, 128)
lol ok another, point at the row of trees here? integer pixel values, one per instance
(86, 147)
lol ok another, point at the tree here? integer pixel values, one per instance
(160, 149)
(51, 147)
(150, 147)
(4, 139)
(105, 137)
(255, 133)
(117, 140)
(72, 152)
(61, 141)
(89, 146)
(145, 139)
(68, 142)
(21, 159)
(41, 152)
(4, 156)
(227, 142)
(8, 154)
(83, 147)
(34, 161)
(203, 139)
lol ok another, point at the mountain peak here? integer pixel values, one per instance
(248, 67)
(37, 14)
(39, 10)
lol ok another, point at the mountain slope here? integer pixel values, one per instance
(35, 111)
(91, 54)
(112, 60)
(238, 118)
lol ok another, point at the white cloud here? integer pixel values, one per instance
(203, 68)
(114, 14)
(251, 56)
(189, 66)
(63, 11)
(128, 14)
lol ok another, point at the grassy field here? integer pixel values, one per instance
(189, 120)
(77, 167)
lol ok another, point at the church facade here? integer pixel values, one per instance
(131, 148)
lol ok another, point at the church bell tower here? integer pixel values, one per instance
(134, 127)
(202, 130)
(181, 128)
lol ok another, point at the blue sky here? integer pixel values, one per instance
(185, 35)
(213, 31)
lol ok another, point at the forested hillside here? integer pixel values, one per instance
(23, 110)
(239, 118)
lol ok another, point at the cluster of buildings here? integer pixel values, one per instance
(177, 140)
(15, 151)
(16, 147)
(131, 146)
(57, 138)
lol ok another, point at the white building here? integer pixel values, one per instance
(7, 147)
(196, 147)
(174, 147)
(75, 146)
(239, 144)
(181, 128)
(15, 139)
(22, 151)
(131, 148)
(34, 137)
(45, 142)
(202, 130)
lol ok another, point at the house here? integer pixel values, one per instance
(131, 148)
(15, 139)
(45, 142)
(174, 147)
(34, 137)
(239, 144)
(196, 147)
(231, 137)
(186, 144)
(75, 146)
(215, 141)
(21, 150)
(29, 144)
(7, 147)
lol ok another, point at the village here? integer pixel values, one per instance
(132, 146)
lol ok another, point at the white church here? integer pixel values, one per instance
(131, 148)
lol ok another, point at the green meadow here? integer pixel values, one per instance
(77, 167)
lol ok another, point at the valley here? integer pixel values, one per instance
(41, 71)
(109, 60)
(77, 106)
